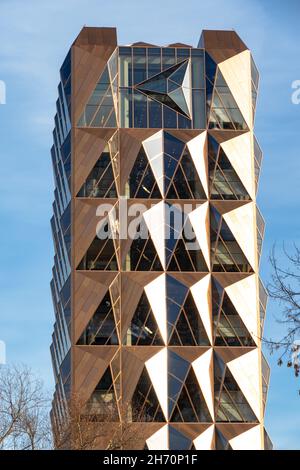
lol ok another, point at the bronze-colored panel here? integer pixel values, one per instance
(89, 290)
(142, 44)
(130, 144)
(226, 206)
(187, 278)
(90, 364)
(191, 430)
(91, 51)
(85, 223)
(222, 136)
(221, 45)
(179, 44)
(228, 354)
(90, 36)
(189, 353)
(132, 286)
(226, 279)
(133, 361)
(231, 430)
(88, 146)
(185, 134)
(125, 243)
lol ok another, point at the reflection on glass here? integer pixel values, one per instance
(102, 403)
(100, 182)
(125, 107)
(139, 64)
(140, 110)
(144, 404)
(143, 329)
(101, 329)
(125, 67)
(100, 256)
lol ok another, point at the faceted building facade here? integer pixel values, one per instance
(161, 326)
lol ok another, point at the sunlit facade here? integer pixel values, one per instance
(162, 330)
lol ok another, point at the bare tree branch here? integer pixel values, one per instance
(24, 410)
(93, 427)
(285, 289)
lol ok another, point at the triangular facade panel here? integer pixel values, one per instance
(231, 405)
(170, 87)
(226, 253)
(102, 402)
(145, 405)
(143, 330)
(101, 180)
(102, 328)
(99, 111)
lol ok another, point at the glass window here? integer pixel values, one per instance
(100, 255)
(154, 61)
(230, 403)
(140, 110)
(145, 405)
(125, 107)
(142, 183)
(182, 54)
(168, 57)
(170, 118)
(199, 118)
(139, 64)
(143, 329)
(191, 406)
(176, 291)
(210, 68)
(184, 122)
(100, 182)
(225, 183)
(101, 329)
(177, 440)
(198, 70)
(99, 111)
(65, 70)
(173, 146)
(177, 366)
(155, 113)
(143, 256)
(254, 73)
(125, 68)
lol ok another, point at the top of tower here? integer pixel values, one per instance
(96, 36)
(221, 45)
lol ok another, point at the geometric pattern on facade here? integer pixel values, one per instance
(169, 232)
(235, 324)
(230, 176)
(168, 333)
(232, 392)
(171, 87)
(232, 245)
(222, 106)
(170, 165)
(102, 180)
(101, 108)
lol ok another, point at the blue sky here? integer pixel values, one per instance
(34, 38)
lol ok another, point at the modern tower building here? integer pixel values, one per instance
(159, 317)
